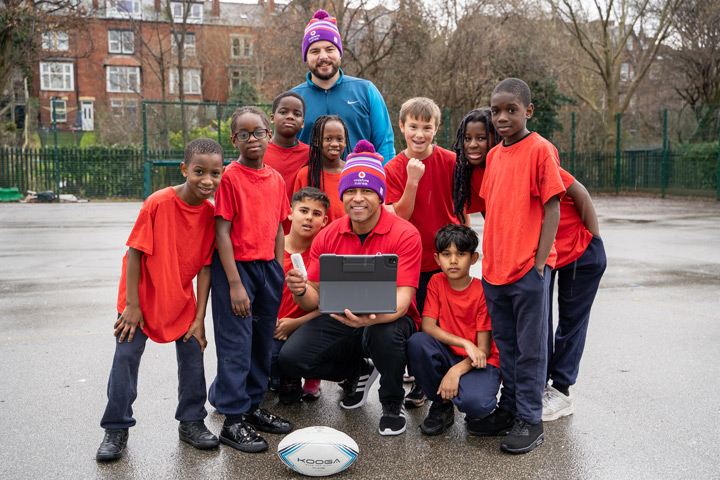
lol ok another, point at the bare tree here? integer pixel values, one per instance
(611, 33)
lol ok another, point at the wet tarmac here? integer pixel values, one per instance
(647, 402)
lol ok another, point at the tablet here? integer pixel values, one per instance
(361, 283)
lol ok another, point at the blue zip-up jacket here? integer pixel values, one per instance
(359, 104)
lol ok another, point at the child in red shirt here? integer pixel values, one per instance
(454, 358)
(170, 244)
(247, 281)
(521, 189)
(579, 267)
(286, 153)
(328, 145)
(419, 183)
(309, 215)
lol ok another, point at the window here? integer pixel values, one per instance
(242, 46)
(55, 41)
(626, 72)
(123, 8)
(123, 79)
(189, 45)
(121, 41)
(194, 16)
(235, 79)
(56, 76)
(192, 81)
(60, 107)
(124, 108)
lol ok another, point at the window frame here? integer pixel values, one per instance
(116, 88)
(112, 10)
(68, 79)
(195, 7)
(243, 46)
(188, 72)
(51, 41)
(121, 41)
(60, 111)
(190, 50)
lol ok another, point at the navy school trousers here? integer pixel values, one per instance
(518, 314)
(244, 344)
(431, 360)
(578, 283)
(122, 385)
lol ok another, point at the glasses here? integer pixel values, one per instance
(259, 134)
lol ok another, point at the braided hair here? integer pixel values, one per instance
(315, 163)
(463, 168)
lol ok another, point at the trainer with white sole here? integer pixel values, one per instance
(336, 347)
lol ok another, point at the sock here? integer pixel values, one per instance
(564, 389)
(232, 420)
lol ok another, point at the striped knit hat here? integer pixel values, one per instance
(363, 169)
(321, 27)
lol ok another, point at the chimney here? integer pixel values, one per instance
(158, 6)
(216, 7)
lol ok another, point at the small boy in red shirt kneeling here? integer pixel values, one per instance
(171, 243)
(454, 359)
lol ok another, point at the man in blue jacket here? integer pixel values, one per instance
(328, 91)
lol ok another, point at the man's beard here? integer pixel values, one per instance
(330, 75)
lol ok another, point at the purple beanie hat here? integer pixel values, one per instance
(321, 27)
(363, 169)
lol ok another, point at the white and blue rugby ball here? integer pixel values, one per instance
(318, 451)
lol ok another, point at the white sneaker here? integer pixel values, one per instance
(555, 404)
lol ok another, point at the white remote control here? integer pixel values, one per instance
(298, 264)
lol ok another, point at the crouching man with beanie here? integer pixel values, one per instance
(336, 347)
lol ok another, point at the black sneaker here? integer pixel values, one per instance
(498, 423)
(113, 445)
(356, 390)
(243, 437)
(392, 421)
(262, 420)
(416, 398)
(440, 417)
(523, 437)
(196, 434)
(290, 390)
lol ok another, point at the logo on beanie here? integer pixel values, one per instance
(361, 174)
(312, 33)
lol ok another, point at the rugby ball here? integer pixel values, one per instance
(318, 451)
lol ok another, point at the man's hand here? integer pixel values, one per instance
(197, 330)
(296, 283)
(415, 170)
(131, 318)
(449, 385)
(355, 321)
(239, 300)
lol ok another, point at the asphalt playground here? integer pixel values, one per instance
(647, 401)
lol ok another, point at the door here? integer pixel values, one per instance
(88, 115)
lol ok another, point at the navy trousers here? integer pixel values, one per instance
(122, 385)
(578, 283)
(478, 388)
(244, 344)
(326, 349)
(518, 313)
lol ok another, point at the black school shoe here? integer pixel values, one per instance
(290, 390)
(243, 437)
(196, 434)
(440, 417)
(523, 437)
(265, 421)
(113, 445)
(498, 423)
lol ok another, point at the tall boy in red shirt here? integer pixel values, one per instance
(247, 281)
(521, 188)
(170, 244)
(454, 358)
(419, 187)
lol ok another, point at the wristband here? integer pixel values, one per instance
(302, 294)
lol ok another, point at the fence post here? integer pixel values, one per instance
(718, 163)
(219, 119)
(56, 153)
(147, 183)
(572, 147)
(663, 176)
(617, 156)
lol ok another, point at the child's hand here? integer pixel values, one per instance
(449, 385)
(284, 328)
(415, 170)
(477, 356)
(130, 319)
(239, 301)
(197, 330)
(296, 283)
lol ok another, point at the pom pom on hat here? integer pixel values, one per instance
(321, 27)
(363, 169)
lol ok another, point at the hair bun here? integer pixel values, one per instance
(320, 14)
(364, 146)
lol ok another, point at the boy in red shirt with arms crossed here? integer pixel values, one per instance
(521, 189)
(420, 181)
(247, 282)
(454, 358)
(170, 244)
